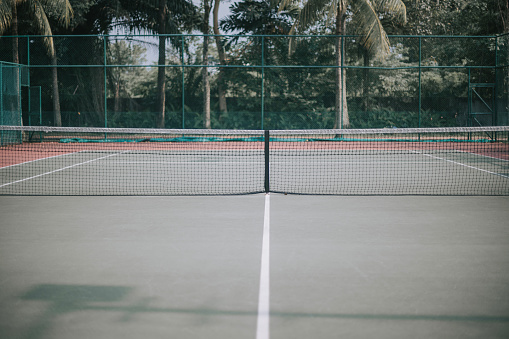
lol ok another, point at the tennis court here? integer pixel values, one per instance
(387, 238)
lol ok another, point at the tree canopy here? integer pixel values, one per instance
(137, 96)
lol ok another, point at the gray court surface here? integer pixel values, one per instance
(189, 267)
(214, 172)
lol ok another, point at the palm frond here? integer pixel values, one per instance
(5, 14)
(308, 15)
(64, 10)
(281, 4)
(61, 9)
(374, 39)
(313, 9)
(43, 26)
(396, 8)
(144, 15)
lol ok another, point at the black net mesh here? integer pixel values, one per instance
(99, 161)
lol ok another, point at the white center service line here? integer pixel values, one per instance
(58, 170)
(262, 328)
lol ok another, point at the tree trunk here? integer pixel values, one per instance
(116, 107)
(365, 81)
(94, 100)
(56, 96)
(161, 70)
(205, 70)
(341, 108)
(222, 59)
(57, 116)
(15, 43)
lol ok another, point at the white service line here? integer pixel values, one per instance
(60, 169)
(262, 327)
(465, 165)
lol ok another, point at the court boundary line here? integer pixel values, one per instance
(484, 155)
(464, 165)
(57, 170)
(30, 161)
(263, 318)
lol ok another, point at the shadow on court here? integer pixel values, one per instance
(64, 299)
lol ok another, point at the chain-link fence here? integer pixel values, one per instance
(269, 82)
(13, 78)
(502, 80)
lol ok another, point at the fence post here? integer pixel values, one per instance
(266, 142)
(1, 96)
(420, 80)
(263, 81)
(105, 84)
(469, 109)
(20, 105)
(342, 85)
(28, 85)
(1, 103)
(494, 119)
(28, 56)
(183, 85)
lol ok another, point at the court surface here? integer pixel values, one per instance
(254, 266)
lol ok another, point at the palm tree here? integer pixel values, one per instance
(374, 39)
(205, 70)
(222, 58)
(161, 17)
(37, 10)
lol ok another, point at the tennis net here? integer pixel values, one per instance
(105, 161)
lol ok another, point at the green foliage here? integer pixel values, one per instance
(381, 92)
(454, 17)
(260, 17)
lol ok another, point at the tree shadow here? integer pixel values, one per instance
(64, 299)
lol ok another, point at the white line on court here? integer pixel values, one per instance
(58, 170)
(483, 155)
(465, 165)
(313, 163)
(185, 162)
(262, 327)
(30, 161)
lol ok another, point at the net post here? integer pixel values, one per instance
(267, 149)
